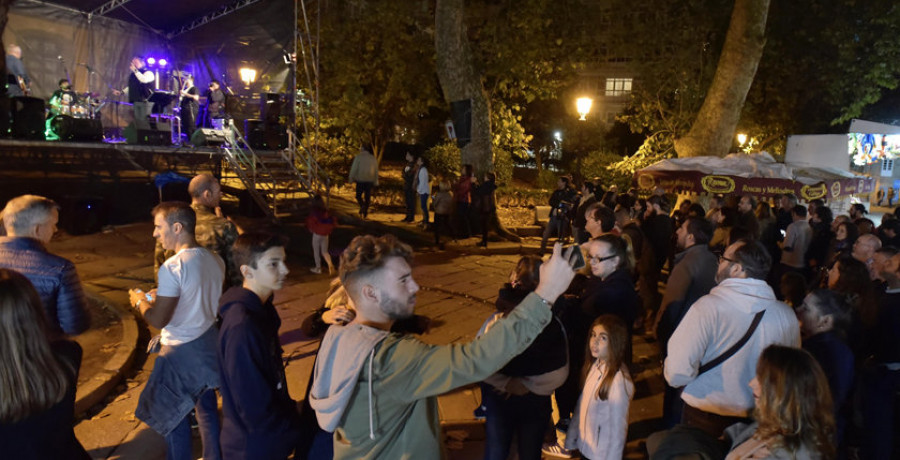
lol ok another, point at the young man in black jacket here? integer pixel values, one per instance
(260, 418)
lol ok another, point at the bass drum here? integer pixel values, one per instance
(80, 111)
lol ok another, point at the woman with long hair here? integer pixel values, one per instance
(850, 278)
(37, 385)
(793, 415)
(845, 235)
(599, 425)
(516, 400)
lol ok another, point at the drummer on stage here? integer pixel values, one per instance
(63, 98)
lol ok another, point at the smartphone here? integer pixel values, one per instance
(576, 257)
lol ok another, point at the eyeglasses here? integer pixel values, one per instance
(598, 259)
(722, 257)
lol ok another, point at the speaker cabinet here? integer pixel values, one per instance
(28, 118)
(208, 137)
(76, 129)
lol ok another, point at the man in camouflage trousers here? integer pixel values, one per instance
(214, 231)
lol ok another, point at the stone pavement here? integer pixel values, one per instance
(459, 286)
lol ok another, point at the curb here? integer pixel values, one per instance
(93, 391)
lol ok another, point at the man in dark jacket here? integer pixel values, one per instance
(30, 223)
(693, 276)
(561, 202)
(260, 418)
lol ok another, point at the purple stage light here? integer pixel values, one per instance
(151, 61)
(163, 62)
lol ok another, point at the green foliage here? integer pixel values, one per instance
(597, 165)
(503, 165)
(377, 69)
(443, 160)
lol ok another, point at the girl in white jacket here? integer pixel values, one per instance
(600, 423)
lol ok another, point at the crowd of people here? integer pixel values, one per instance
(777, 331)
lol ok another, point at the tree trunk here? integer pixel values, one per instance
(713, 130)
(461, 80)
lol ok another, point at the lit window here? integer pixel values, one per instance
(618, 87)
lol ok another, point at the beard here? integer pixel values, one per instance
(397, 309)
(722, 274)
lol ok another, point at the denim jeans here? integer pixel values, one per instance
(423, 200)
(525, 416)
(179, 441)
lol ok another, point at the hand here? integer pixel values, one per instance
(219, 211)
(338, 315)
(117, 92)
(556, 274)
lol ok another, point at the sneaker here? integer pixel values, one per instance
(480, 413)
(556, 450)
(316, 270)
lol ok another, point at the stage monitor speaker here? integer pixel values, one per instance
(270, 107)
(461, 113)
(208, 137)
(77, 129)
(146, 136)
(28, 118)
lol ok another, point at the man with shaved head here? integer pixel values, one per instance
(15, 71)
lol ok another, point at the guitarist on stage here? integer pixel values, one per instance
(16, 77)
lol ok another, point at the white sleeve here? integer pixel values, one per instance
(145, 77)
(687, 346)
(169, 281)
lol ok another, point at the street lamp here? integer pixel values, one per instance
(248, 76)
(742, 139)
(584, 106)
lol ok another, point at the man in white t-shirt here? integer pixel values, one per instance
(183, 306)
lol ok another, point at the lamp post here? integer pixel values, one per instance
(583, 104)
(742, 139)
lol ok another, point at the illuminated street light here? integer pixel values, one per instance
(248, 75)
(742, 139)
(584, 106)
(558, 136)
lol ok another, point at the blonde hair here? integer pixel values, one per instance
(33, 380)
(794, 408)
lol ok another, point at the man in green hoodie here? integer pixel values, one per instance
(377, 390)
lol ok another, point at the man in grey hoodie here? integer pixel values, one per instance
(377, 390)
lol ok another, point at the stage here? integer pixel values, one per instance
(106, 159)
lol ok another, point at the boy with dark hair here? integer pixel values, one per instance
(260, 418)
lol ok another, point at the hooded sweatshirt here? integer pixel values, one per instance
(377, 391)
(711, 326)
(261, 419)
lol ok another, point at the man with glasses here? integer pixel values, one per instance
(713, 325)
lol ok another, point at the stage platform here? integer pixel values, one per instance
(106, 159)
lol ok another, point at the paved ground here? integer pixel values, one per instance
(458, 289)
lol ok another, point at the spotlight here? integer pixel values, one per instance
(163, 62)
(151, 61)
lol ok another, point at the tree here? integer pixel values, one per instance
(461, 80)
(713, 130)
(377, 70)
